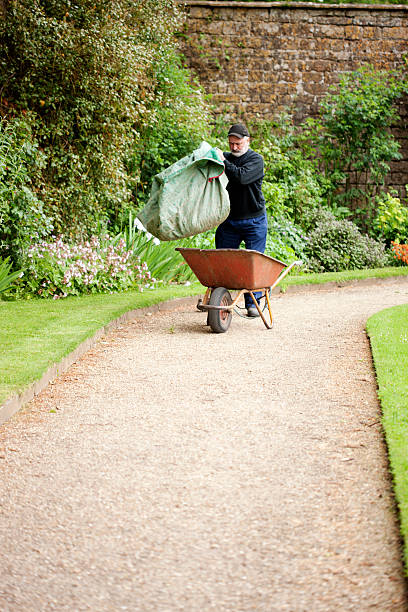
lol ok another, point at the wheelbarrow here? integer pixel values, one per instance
(241, 270)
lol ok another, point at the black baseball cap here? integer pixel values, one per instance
(239, 130)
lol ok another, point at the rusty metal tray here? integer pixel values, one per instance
(233, 268)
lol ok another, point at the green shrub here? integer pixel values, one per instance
(206, 240)
(285, 241)
(93, 78)
(22, 218)
(163, 261)
(291, 183)
(336, 245)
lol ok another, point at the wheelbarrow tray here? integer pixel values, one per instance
(233, 268)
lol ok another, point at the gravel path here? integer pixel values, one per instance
(176, 469)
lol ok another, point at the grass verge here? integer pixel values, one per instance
(388, 333)
(342, 277)
(35, 334)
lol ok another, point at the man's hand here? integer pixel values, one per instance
(220, 154)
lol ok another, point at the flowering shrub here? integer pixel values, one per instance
(400, 251)
(100, 265)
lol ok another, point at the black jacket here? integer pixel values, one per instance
(245, 175)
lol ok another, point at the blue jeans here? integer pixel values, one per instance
(252, 232)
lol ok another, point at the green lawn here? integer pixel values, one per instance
(35, 334)
(342, 277)
(388, 332)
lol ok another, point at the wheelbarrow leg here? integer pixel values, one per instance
(268, 301)
(204, 301)
(267, 325)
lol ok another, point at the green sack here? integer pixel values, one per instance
(189, 197)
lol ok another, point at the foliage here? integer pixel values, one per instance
(6, 276)
(100, 265)
(177, 125)
(163, 261)
(95, 79)
(206, 240)
(339, 159)
(133, 258)
(97, 101)
(285, 241)
(21, 212)
(353, 140)
(391, 221)
(291, 184)
(336, 245)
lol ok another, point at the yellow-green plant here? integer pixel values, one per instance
(391, 220)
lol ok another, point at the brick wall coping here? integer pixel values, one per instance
(296, 5)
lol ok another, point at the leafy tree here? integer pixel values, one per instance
(90, 76)
(178, 122)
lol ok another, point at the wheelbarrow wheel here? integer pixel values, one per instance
(220, 320)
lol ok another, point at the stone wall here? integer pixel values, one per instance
(256, 58)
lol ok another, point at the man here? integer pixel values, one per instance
(247, 219)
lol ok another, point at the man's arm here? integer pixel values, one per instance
(251, 171)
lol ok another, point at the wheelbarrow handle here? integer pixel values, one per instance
(284, 273)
